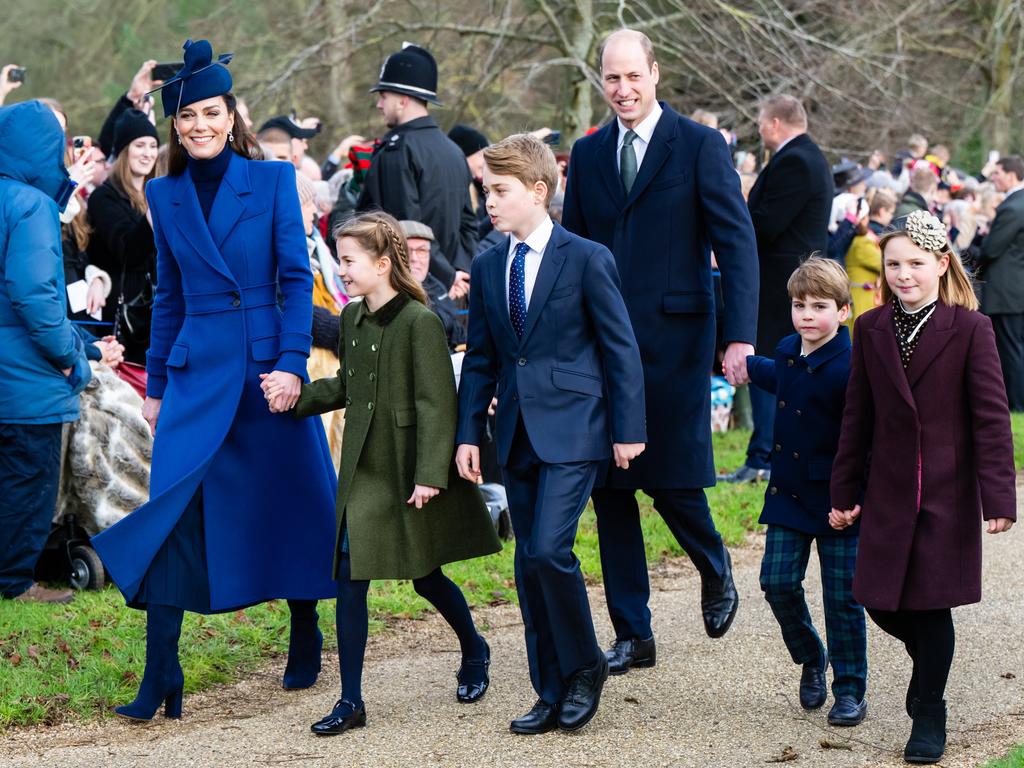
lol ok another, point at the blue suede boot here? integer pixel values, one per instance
(304, 646)
(163, 681)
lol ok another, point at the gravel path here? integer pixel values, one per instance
(729, 703)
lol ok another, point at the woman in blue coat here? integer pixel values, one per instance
(241, 503)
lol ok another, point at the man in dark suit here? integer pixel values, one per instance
(790, 206)
(659, 190)
(550, 335)
(1001, 269)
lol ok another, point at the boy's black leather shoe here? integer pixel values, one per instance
(813, 690)
(343, 717)
(541, 719)
(847, 711)
(474, 678)
(582, 696)
(626, 654)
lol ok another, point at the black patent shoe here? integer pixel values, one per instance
(579, 705)
(542, 718)
(719, 601)
(474, 678)
(626, 654)
(343, 717)
(813, 690)
(847, 712)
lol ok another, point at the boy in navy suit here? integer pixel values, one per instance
(550, 337)
(808, 376)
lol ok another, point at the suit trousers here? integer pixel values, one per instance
(29, 479)
(624, 560)
(1009, 330)
(545, 502)
(759, 449)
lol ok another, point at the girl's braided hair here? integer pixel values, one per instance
(380, 235)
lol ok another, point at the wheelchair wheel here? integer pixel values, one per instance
(86, 569)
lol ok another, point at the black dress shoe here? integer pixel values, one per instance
(813, 690)
(747, 474)
(847, 711)
(343, 717)
(626, 654)
(474, 678)
(582, 696)
(719, 601)
(541, 719)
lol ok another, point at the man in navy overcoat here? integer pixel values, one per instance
(660, 192)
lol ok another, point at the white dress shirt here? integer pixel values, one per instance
(644, 131)
(538, 241)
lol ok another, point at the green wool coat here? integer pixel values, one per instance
(397, 387)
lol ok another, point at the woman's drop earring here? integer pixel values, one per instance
(231, 137)
(178, 137)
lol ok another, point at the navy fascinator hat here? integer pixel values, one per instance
(200, 78)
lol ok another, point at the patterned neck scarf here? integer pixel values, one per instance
(909, 327)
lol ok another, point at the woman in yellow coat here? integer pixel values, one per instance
(864, 258)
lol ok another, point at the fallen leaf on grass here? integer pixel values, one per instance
(788, 754)
(15, 659)
(1008, 676)
(241, 618)
(33, 652)
(826, 744)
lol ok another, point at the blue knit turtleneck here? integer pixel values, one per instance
(206, 176)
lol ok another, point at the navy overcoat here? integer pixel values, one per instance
(935, 445)
(267, 479)
(810, 395)
(685, 200)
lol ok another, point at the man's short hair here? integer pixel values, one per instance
(645, 44)
(274, 136)
(923, 179)
(788, 109)
(1012, 164)
(525, 157)
(820, 278)
(917, 140)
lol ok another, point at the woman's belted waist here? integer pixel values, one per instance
(249, 297)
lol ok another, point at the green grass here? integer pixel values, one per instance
(1013, 760)
(1017, 420)
(78, 660)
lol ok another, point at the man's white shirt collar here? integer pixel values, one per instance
(645, 129)
(537, 240)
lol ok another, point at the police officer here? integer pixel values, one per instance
(419, 174)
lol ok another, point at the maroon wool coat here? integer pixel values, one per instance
(936, 446)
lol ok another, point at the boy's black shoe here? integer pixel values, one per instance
(541, 719)
(847, 711)
(747, 474)
(582, 696)
(473, 678)
(343, 717)
(928, 736)
(813, 690)
(626, 654)
(719, 601)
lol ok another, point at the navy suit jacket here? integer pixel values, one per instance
(685, 200)
(811, 394)
(574, 377)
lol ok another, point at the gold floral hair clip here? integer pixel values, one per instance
(926, 231)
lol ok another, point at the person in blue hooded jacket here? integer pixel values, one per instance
(43, 365)
(241, 505)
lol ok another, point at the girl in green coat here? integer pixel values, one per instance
(402, 510)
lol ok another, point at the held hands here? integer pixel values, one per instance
(626, 452)
(467, 461)
(281, 390)
(735, 363)
(1000, 525)
(421, 494)
(112, 351)
(840, 519)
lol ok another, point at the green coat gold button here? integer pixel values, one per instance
(373, 376)
(369, 406)
(373, 347)
(351, 372)
(355, 342)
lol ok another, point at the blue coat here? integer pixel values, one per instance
(267, 479)
(685, 200)
(575, 374)
(37, 341)
(810, 393)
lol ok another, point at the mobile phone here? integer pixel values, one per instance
(165, 70)
(16, 75)
(993, 155)
(554, 138)
(80, 145)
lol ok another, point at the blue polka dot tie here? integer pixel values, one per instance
(517, 289)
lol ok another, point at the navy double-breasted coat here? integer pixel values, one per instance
(233, 300)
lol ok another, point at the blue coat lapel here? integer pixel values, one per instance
(498, 296)
(193, 227)
(608, 164)
(550, 267)
(228, 205)
(657, 153)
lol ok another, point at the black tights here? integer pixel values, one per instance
(929, 639)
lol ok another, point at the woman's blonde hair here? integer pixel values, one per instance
(955, 286)
(121, 178)
(380, 235)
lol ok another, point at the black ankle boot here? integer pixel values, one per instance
(163, 680)
(928, 736)
(305, 645)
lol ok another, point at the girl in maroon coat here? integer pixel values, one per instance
(925, 451)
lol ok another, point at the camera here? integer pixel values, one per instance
(16, 75)
(165, 70)
(80, 145)
(553, 139)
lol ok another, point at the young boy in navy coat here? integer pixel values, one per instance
(550, 337)
(809, 376)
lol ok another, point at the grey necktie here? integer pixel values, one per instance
(627, 161)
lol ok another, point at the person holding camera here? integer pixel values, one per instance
(11, 77)
(122, 239)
